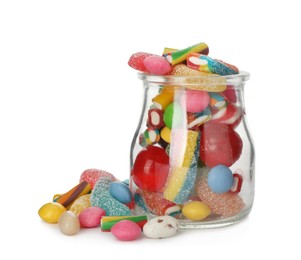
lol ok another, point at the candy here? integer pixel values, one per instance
(184, 154)
(108, 222)
(101, 197)
(173, 115)
(206, 64)
(151, 136)
(161, 227)
(136, 61)
(142, 141)
(168, 50)
(220, 144)
(220, 179)
(230, 115)
(69, 223)
(150, 169)
(157, 205)
(197, 119)
(166, 134)
(126, 230)
(237, 183)
(195, 101)
(217, 101)
(157, 65)
(164, 98)
(179, 56)
(120, 192)
(90, 217)
(230, 94)
(51, 212)
(69, 197)
(198, 80)
(80, 204)
(155, 118)
(93, 175)
(140, 202)
(225, 204)
(196, 210)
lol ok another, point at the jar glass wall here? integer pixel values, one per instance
(192, 156)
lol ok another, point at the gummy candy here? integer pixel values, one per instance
(157, 65)
(136, 61)
(93, 175)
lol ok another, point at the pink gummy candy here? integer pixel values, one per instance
(157, 65)
(93, 175)
(136, 61)
(226, 204)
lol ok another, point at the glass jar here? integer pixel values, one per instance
(192, 156)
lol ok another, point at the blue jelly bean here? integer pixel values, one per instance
(120, 192)
(220, 179)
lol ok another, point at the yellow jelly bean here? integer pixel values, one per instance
(196, 210)
(166, 134)
(51, 212)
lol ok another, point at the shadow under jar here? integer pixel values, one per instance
(192, 156)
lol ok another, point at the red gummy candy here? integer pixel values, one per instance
(151, 169)
(220, 144)
(136, 61)
(230, 94)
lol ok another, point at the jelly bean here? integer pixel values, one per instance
(51, 212)
(196, 210)
(198, 80)
(195, 101)
(69, 197)
(80, 204)
(173, 115)
(136, 61)
(184, 152)
(206, 64)
(151, 136)
(101, 197)
(93, 175)
(121, 192)
(155, 118)
(108, 222)
(217, 101)
(161, 227)
(179, 56)
(91, 217)
(150, 169)
(69, 223)
(196, 119)
(157, 65)
(220, 144)
(220, 179)
(165, 134)
(126, 230)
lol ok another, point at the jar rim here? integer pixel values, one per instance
(235, 79)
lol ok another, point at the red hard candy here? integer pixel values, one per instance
(136, 61)
(151, 169)
(220, 144)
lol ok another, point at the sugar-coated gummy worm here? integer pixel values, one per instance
(183, 171)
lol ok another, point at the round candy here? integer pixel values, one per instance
(195, 101)
(151, 168)
(166, 134)
(220, 179)
(161, 227)
(51, 212)
(220, 144)
(69, 223)
(121, 192)
(196, 210)
(173, 115)
(126, 230)
(90, 217)
(93, 175)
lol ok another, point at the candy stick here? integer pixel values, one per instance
(169, 50)
(164, 98)
(152, 136)
(155, 118)
(180, 55)
(184, 151)
(158, 205)
(206, 64)
(69, 197)
(196, 119)
(107, 222)
(217, 100)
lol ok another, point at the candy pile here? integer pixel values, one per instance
(100, 200)
(189, 143)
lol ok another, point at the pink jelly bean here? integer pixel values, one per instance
(195, 101)
(126, 230)
(157, 65)
(90, 217)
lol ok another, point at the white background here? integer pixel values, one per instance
(69, 101)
